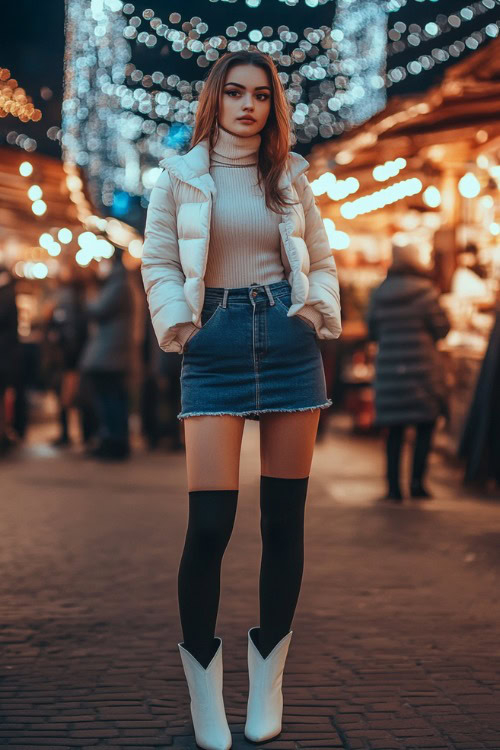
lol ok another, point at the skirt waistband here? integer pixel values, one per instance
(252, 293)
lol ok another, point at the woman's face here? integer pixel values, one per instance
(246, 92)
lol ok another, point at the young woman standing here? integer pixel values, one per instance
(241, 280)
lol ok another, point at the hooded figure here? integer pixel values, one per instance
(406, 320)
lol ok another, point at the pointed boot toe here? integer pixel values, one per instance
(210, 725)
(265, 698)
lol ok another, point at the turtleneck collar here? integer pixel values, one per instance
(235, 149)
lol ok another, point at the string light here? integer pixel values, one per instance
(389, 169)
(111, 108)
(381, 198)
(54, 249)
(431, 30)
(469, 186)
(362, 29)
(39, 207)
(14, 138)
(335, 105)
(25, 169)
(65, 235)
(336, 189)
(14, 99)
(93, 121)
(45, 240)
(441, 55)
(432, 197)
(338, 240)
(342, 188)
(35, 192)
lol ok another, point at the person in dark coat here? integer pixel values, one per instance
(67, 333)
(480, 439)
(9, 348)
(406, 320)
(107, 357)
(160, 388)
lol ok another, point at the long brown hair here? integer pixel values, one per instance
(276, 133)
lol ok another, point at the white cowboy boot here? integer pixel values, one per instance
(207, 705)
(265, 699)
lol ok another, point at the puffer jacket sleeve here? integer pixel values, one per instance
(161, 268)
(323, 280)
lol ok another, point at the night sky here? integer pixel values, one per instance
(33, 46)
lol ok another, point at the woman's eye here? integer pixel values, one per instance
(237, 92)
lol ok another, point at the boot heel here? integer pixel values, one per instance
(207, 704)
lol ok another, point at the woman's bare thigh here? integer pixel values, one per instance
(213, 448)
(287, 441)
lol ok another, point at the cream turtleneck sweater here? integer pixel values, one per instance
(245, 245)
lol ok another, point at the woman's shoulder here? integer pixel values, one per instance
(297, 166)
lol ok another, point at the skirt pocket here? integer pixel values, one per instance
(208, 315)
(284, 304)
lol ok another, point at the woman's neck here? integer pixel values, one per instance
(233, 148)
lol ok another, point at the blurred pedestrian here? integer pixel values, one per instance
(480, 441)
(406, 320)
(107, 358)
(9, 351)
(160, 392)
(67, 333)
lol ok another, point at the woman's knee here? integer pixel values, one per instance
(211, 538)
(211, 520)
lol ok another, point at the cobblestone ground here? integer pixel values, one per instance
(396, 635)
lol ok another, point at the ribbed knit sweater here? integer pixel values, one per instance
(245, 244)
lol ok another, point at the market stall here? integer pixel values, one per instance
(426, 170)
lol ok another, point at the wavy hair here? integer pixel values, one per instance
(276, 133)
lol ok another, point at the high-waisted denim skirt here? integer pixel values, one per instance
(249, 358)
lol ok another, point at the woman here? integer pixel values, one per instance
(406, 320)
(240, 279)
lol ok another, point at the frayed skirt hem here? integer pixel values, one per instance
(255, 412)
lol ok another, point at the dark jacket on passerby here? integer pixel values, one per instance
(9, 342)
(67, 328)
(109, 347)
(406, 320)
(480, 440)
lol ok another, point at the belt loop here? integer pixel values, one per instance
(224, 301)
(269, 294)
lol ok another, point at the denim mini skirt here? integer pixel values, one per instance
(249, 358)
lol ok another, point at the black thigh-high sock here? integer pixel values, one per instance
(210, 524)
(282, 507)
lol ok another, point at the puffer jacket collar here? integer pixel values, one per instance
(193, 168)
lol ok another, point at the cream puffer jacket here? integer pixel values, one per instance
(177, 238)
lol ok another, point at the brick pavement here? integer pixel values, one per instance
(396, 634)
